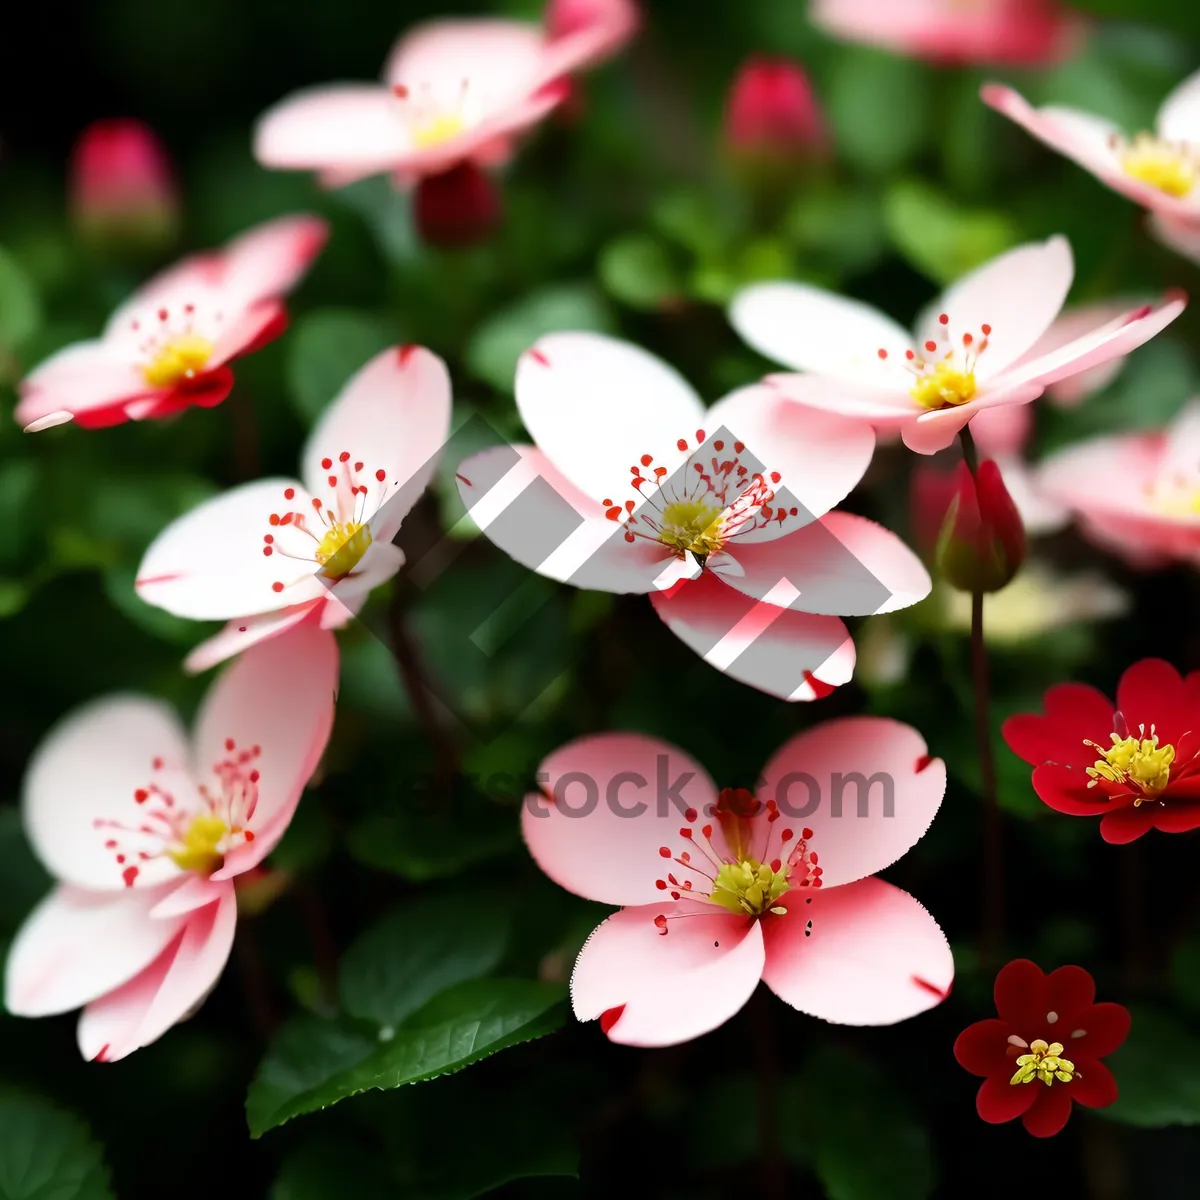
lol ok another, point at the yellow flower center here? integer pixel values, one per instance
(198, 848)
(1176, 498)
(691, 526)
(1045, 1062)
(437, 129)
(181, 358)
(340, 550)
(1169, 167)
(944, 385)
(749, 887)
(1141, 762)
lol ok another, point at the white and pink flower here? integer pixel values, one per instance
(721, 889)
(272, 554)
(169, 346)
(1158, 170)
(453, 91)
(970, 352)
(1025, 32)
(147, 832)
(1137, 494)
(632, 486)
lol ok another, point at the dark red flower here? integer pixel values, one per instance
(459, 207)
(772, 111)
(1135, 764)
(982, 542)
(1043, 1051)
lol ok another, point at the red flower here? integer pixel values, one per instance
(772, 110)
(982, 541)
(1044, 1049)
(1136, 764)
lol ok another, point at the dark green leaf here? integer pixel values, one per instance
(20, 310)
(637, 270)
(1158, 1073)
(881, 107)
(408, 957)
(314, 1064)
(325, 1168)
(47, 1154)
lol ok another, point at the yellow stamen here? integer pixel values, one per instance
(181, 358)
(341, 549)
(1141, 762)
(198, 849)
(691, 526)
(944, 386)
(1170, 167)
(437, 130)
(749, 887)
(1175, 498)
(1045, 1062)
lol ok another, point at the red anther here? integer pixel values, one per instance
(943, 319)
(806, 834)
(344, 456)
(664, 851)
(882, 353)
(690, 814)
(326, 463)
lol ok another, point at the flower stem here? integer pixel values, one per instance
(412, 674)
(766, 1053)
(993, 855)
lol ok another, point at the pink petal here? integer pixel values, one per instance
(166, 992)
(841, 565)
(278, 696)
(247, 332)
(651, 989)
(595, 405)
(243, 632)
(80, 377)
(1179, 117)
(1002, 431)
(1179, 235)
(346, 126)
(209, 564)
(821, 457)
(606, 806)
(531, 511)
(866, 786)
(1110, 341)
(873, 955)
(808, 329)
(788, 654)
(87, 769)
(1017, 295)
(1073, 323)
(393, 416)
(189, 894)
(934, 431)
(269, 260)
(78, 945)
(588, 36)
(886, 412)
(1039, 514)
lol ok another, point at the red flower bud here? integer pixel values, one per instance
(122, 187)
(982, 543)
(773, 113)
(456, 208)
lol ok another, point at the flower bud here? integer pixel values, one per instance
(123, 193)
(456, 208)
(772, 113)
(982, 543)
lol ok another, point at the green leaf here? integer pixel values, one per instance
(837, 225)
(47, 1154)
(637, 270)
(1158, 1073)
(20, 309)
(866, 1142)
(940, 238)
(314, 1063)
(1185, 974)
(497, 344)
(407, 958)
(325, 349)
(881, 107)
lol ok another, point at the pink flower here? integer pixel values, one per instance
(122, 185)
(722, 889)
(1076, 322)
(1160, 170)
(269, 555)
(1026, 32)
(147, 832)
(453, 91)
(1002, 433)
(625, 491)
(772, 111)
(970, 351)
(170, 344)
(1137, 494)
